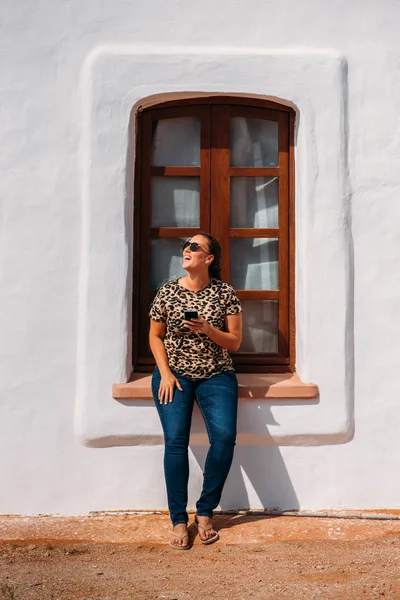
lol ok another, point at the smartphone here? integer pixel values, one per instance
(190, 314)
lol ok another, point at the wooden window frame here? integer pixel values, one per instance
(215, 151)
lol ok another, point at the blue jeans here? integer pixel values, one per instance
(217, 398)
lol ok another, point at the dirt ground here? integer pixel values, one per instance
(125, 557)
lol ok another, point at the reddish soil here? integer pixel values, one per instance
(125, 557)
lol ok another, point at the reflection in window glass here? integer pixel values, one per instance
(254, 202)
(165, 260)
(260, 326)
(175, 202)
(254, 142)
(254, 263)
(176, 142)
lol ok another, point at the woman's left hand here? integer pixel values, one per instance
(198, 325)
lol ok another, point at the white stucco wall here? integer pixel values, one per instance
(71, 73)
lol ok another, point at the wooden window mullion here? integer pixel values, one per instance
(145, 215)
(176, 171)
(283, 248)
(291, 174)
(205, 169)
(258, 294)
(255, 171)
(239, 232)
(220, 183)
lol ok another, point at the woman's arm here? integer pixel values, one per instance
(156, 340)
(230, 339)
(168, 379)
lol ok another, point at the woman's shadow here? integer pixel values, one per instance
(258, 477)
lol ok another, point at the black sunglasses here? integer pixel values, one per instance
(193, 247)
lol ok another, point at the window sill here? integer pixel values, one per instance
(272, 386)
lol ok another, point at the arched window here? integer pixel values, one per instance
(223, 165)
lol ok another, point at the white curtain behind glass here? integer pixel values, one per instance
(165, 260)
(254, 202)
(254, 142)
(260, 326)
(176, 142)
(175, 202)
(254, 263)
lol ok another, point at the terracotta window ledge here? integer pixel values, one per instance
(251, 386)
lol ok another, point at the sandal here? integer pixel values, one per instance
(181, 537)
(210, 540)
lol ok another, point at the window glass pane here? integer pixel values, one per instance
(254, 202)
(254, 142)
(260, 326)
(165, 260)
(175, 202)
(254, 263)
(176, 142)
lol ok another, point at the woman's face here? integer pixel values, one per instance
(198, 260)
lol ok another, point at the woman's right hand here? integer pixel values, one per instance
(167, 387)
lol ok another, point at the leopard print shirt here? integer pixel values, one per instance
(193, 354)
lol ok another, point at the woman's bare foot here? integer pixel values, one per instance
(180, 538)
(206, 529)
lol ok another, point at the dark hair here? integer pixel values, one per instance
(214, 248)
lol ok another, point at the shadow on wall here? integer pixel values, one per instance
(265, 470)
(260, 467)
(257, 464)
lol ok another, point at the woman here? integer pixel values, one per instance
(193, 362)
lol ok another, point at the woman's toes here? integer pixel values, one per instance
(204, 533)
(180, 529)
